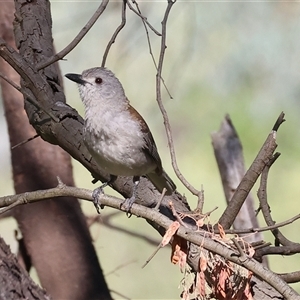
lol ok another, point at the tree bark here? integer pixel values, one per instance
(15, 282)
(55, 232)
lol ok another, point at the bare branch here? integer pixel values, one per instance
(24, 142)
(262, 195)
(144, 19)
(149, 42)
(196, 237)
(77, 39)
(279, 121)
(114, 36)
(229, 155)
(161, 106)
(260, 229)
(291, 277)
(282, 250)
(13, 84)
(263, 157)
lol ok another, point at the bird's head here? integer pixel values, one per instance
(99, 86)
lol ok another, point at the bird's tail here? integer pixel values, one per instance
(161, 181)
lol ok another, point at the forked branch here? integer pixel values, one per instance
(264, 156)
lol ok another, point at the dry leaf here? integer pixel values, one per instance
(179, 251)
(202, 262)
(170, 233)
(222, 284)
(221, 231)
(201, 283)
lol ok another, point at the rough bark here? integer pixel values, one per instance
(15, 282)
(55, 231)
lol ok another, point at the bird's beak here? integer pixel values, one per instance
(76, 78)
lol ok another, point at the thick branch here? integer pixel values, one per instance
(229, 155)
(197, 237)
(248, 181)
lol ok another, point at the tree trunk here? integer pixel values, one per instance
(55, 232)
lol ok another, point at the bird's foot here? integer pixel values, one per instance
(127, 204)
(99, 191)
(96, 198)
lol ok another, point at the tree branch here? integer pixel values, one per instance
(161, 106)
(264, 156)
(229, 155)
(77, 39)
(264, 206)
(261, 229)
(144, 19)
(191, 234)
(114, 36)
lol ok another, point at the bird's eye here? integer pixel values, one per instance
(98, 80)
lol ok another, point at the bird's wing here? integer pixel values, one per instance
(150, 146)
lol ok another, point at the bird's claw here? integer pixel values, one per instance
(126, 205)
(96, 195)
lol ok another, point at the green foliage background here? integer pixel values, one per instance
(240, 58)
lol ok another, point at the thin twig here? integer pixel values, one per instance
(121, 266)
(77, 39)
(261, 229)
(265, 208)
(17, 87)
(149, 44)
(243, 255)
(278, 250)
(24, 142)
(200, 203)
(114, 36)
(161, 106)
(144, 19)
(177, 215)
(160, 199)
(152, 255)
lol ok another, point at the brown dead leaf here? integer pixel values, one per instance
(221, 231)
(170, 233)
(222, 284)
(202, 262)
(201, 283)
(179, 251)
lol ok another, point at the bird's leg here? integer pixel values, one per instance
(98, 191)
(126, 205)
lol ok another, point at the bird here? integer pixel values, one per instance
(116, 135)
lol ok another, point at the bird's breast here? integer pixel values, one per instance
(116, 143)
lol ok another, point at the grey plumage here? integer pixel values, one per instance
(116, 135)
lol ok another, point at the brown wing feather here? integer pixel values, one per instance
(150, 146)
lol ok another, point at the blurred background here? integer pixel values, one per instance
(240, 58)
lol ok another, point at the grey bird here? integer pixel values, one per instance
(116, 135)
